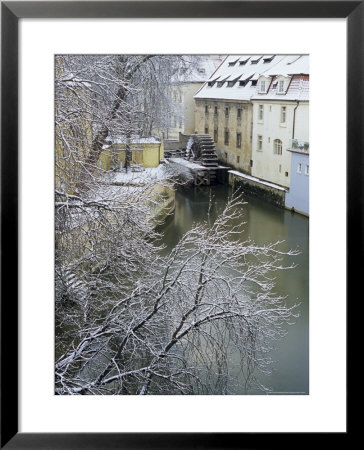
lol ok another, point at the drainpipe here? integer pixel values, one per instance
(294, 118)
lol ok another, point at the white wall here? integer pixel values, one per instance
(302, 122)
(267, 165)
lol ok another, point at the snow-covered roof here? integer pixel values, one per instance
(134, 139)
(245, 70)
(185, 163)
(298, 89)
(148, 175)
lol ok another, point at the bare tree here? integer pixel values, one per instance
(170, 328)
(106, 96)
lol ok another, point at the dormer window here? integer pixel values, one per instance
(256, 60)
(263, 86)
(220, 84)
(282, 83)
(232, 63)
(243, 62)
(231, 83)
(201, 70)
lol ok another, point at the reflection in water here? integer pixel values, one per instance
(265, 223)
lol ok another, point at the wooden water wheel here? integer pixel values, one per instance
(204, 150)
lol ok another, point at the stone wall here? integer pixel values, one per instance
(224, 120)
(270, 193)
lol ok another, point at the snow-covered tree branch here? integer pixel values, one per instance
(131, 319)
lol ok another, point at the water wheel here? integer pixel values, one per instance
(204, 150)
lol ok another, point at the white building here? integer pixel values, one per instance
(189, 79)
(280, 115)
(224, 109)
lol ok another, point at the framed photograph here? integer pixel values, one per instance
(178, 345)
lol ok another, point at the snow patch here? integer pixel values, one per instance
(257, 180)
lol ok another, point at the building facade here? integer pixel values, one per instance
(186, 83)
(297, 198)
(145, 152)
(254, 107)
(240, 107)
(229, 123)
(280, 114)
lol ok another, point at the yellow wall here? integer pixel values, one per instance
(146, 155)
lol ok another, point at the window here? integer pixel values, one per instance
(261, 112)
(238, 140)
(206, 130)
(231, 83)
(299, 168)
(226, 112)
(283, 114)
(277, 147)
(226, 137)
(286, 174)
(256, 60)
(281, 86)
(307, 170)
(215, 135)
(226, 158)
(238, 159)
(220, 84)
(215, 110)
(260, 143)
(206, 109)
(262, 86)
(251, 163)
(239, 113)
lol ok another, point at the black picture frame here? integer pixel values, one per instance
(11, 12)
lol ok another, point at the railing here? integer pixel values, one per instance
(299, 145)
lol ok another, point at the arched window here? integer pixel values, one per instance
(277, 147)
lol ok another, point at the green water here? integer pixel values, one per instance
(265, 223)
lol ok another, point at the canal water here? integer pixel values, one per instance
(265, 224)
